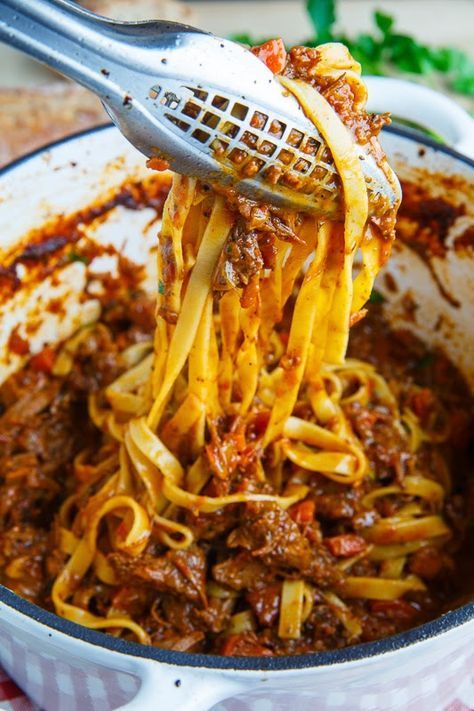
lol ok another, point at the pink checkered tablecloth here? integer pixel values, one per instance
(13, 699)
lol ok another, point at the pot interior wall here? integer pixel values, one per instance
(430, 284)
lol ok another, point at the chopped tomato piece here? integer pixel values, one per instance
(284, 337)
(260, 422)
(247, 455)
(122, 530)
(357, 316)
(394, 609)
(44, 360)
(17, 344)
(428, 562)
(346, 545)
(246, 484)
(303, 512)
(251, 295)
(273, 54)
(422, 403)
(244, 645)
(227, 453)
(157, 164)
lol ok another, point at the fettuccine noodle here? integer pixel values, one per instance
(219, 360)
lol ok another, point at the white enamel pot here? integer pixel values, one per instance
(423, 107)
(65, 667)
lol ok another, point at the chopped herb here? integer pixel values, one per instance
(384, 22)
(464, 82)
(76, 257)
(368, 51)
(161, 288)
(385, 51)
(447, 59)
(323, 17)
(376, 297)
(380, 54)
(425, 361)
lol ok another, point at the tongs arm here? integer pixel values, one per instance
(76, 42)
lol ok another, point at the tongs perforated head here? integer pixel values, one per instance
(221, 115)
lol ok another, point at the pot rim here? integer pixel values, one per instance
(444, 623)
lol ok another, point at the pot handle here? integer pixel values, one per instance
(425, 107)
(173, 688)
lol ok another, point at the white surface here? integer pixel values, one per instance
(442, 22)
(439, 22)
(425, 107)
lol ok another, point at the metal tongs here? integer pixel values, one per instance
(206, 105)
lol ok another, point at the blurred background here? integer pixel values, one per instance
(429, 41)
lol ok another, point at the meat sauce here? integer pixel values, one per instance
(247, 548)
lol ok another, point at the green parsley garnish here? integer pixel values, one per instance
(386, 51)
(376, 297)
(425, 361)
(161, 288)
(323, 17)
(76, 257)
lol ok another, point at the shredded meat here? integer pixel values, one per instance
(304, 63)
(216, 616)
(265, 603)
(23, 549)
(272, 536)
(335, 507)
(251, 243)
(179, 572)
(242, 572)
(26, 407)
(241, 258)
(386, 447)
